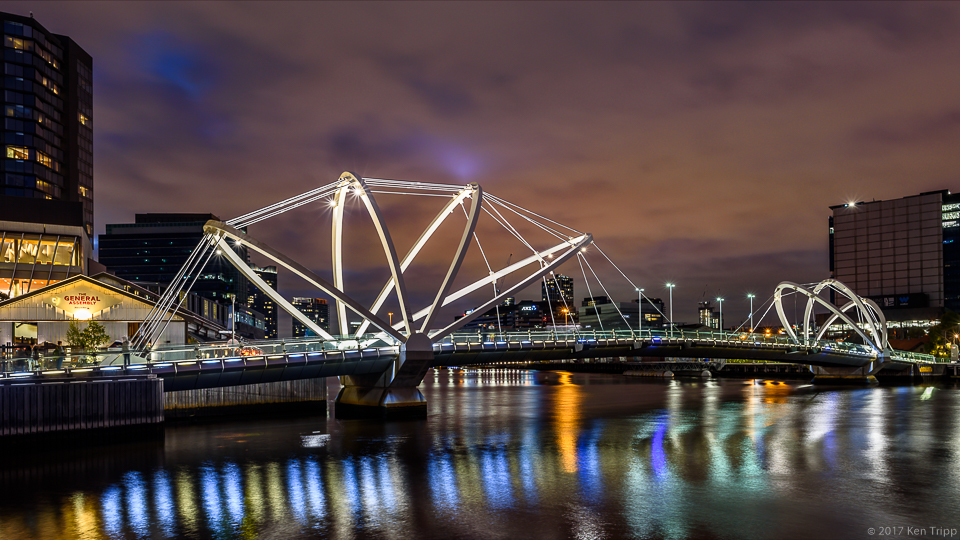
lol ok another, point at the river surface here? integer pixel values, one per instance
(514, 454)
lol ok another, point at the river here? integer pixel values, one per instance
(507, 454)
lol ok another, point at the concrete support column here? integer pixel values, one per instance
(844, 375)
(393, 394)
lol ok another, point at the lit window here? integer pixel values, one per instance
(44, 159)
(18, 152)
(18, 43)
(84, 120)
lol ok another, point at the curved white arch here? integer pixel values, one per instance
(470, 191)
(354, 182)
(879, 320)
(468, 231)
(853, 297)
(221, 229)
(876, 328)
(536, 257)
(574, 248)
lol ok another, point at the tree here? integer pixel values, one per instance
(96, 335)
(75, 336)
(91, 337)
(941, 334)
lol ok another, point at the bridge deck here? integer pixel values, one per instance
(217, 365)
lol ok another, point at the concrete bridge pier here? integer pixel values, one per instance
(393, 394)
(863, 375)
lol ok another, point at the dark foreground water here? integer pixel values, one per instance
(512, 455)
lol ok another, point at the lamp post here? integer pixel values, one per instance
(720, 323)
(751, 296)
(670, 287)
(639, 311)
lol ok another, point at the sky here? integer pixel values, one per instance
(700, 143)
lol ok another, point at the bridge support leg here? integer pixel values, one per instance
(844, 375)
(391, 395)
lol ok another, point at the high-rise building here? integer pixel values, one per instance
(259, 301)
(903, 253)
(558, 290)
(708, 315)
(316, 309)
(156, 246)
(46, 193)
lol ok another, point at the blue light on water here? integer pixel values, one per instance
(589, 472)
(443, 481)
(136, 499)
(112, 511)
(233, 490)
(295, 490)
(163, 502)
(497, 482)
(210, 493)
(315, 496)
(387, 489)
(658, 459)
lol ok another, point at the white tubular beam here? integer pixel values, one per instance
(458, 259)
(536, 257)
(417, 246)
(812, 297)
(855, 298)
(248, 272)
(339, 200)
(219, 228)
(388, 248)
(456, 325)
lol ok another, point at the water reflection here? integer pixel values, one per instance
(544, 455)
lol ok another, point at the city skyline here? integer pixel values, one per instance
(701, 144)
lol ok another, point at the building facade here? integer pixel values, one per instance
(708, 315)
(904, 253)
(156, 246)
(316, 309)
(262, 303)
(558, 290)
(43, 316)
(46, 200)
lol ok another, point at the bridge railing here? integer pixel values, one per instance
(739, 339)
(918, 357)
(223, 349)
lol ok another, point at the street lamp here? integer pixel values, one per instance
(670, 287)
(720, 324)
(639, 309)
(751, 297)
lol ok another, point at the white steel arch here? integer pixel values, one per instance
(352, 182)
(472, 191)
(351, 185)
(222, 229)
(574, 248)
(876, 323)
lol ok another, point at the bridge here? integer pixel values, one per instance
(381, 364)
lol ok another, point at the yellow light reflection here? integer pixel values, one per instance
(566, 416)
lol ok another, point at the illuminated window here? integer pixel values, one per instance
(44, 159)
(18, 152)
(84, 120)
(18, 43)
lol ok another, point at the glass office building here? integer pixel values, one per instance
(46, 194)
(903, 253)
